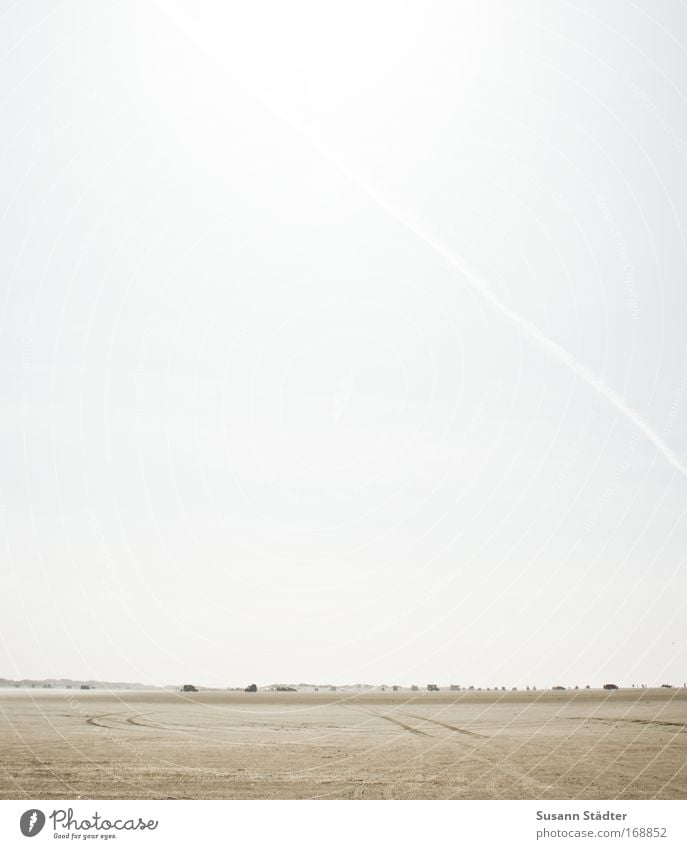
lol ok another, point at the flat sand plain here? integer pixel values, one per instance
(628, 744)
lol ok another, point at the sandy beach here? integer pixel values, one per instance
(588, 744)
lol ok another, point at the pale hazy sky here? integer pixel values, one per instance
(257, 423)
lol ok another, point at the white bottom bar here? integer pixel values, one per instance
(344, 823)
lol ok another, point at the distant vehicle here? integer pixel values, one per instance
(454, 687)
(432, 688)
(395, 688)
(284, 690)
(610, 686)
(189, 688)
(558, 687)
(667, 686)
(415, 688)
(251, 688)
(84, 687)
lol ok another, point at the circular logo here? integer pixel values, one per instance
(31, 822)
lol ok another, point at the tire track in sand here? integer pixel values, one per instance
(446, 725)
(517, 777)
(398, 722)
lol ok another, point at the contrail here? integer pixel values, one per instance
(475, 281)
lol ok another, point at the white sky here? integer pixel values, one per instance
(255, 426)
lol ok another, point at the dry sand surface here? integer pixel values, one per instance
(627, 744)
